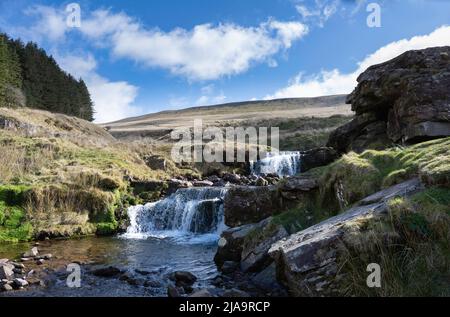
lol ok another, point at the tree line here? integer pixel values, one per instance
(31, 78)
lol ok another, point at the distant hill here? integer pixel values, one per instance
(161, 123)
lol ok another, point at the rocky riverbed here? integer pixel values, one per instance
(117, 267)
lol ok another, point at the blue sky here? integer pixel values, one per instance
(145, 56)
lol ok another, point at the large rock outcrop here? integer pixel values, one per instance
(317, 157)
(307, 261)
(249, 204)
(248, 245)
(406, 99)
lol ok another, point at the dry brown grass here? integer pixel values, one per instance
(411, 247)
(16, 162)
(235, 114)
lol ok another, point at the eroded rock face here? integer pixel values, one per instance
(248, 204)
(307, 261)
(296, 187)
(406, 99)
(231, 243)
(254, 256)
(318, 157)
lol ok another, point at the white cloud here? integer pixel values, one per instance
(204, 53)
(49, 23)
(305, 12)
(334, 82)
(207, 90)
(113, 100)
(210, 96)
(319, 12)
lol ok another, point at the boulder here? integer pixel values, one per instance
(6, 288)
(246, 247)
(182, 277)
(175, 184)
(232, 178)
(249, 204)
(261, 182)
(404, 100)
(20, 282)
(266, 280)
(6, 271)
(254, 256)
(306, 261)
(152, 283)
(173, 291)
(32, 253)
(231, 243)
(229, 267)
(317, 157)
(295, 187)
(109, 271)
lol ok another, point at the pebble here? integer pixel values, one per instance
(20, 282)
(6, 288)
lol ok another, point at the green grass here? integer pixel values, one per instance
(303, 133)
(13, 194)
(306, 214)
(14, 226)
(106, 229)
(412, 247)
(356, 176)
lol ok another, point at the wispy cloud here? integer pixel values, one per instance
(334, 82)
(318, 11)
(210, 96)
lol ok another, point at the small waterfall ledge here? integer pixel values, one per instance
(193, 215)
(282, 163)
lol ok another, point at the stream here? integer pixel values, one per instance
(177, 233)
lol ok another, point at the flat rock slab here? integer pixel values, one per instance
(306, 261)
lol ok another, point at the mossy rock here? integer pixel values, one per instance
(14, 226)
(106, 228)
(14, 195)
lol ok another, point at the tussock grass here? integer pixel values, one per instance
(412, 247)
(356, 176)
(75, 174)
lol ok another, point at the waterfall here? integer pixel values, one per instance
(281, 163)
(196, 213)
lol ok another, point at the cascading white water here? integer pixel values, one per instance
(281, 163)
(196, 213)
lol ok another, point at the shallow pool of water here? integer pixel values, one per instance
(155, 256)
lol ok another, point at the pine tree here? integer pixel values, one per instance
(86, 104)
(28, 73)
(10, 74)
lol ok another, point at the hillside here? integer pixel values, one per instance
(304, 123)
(231, 113)
(63, 176)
